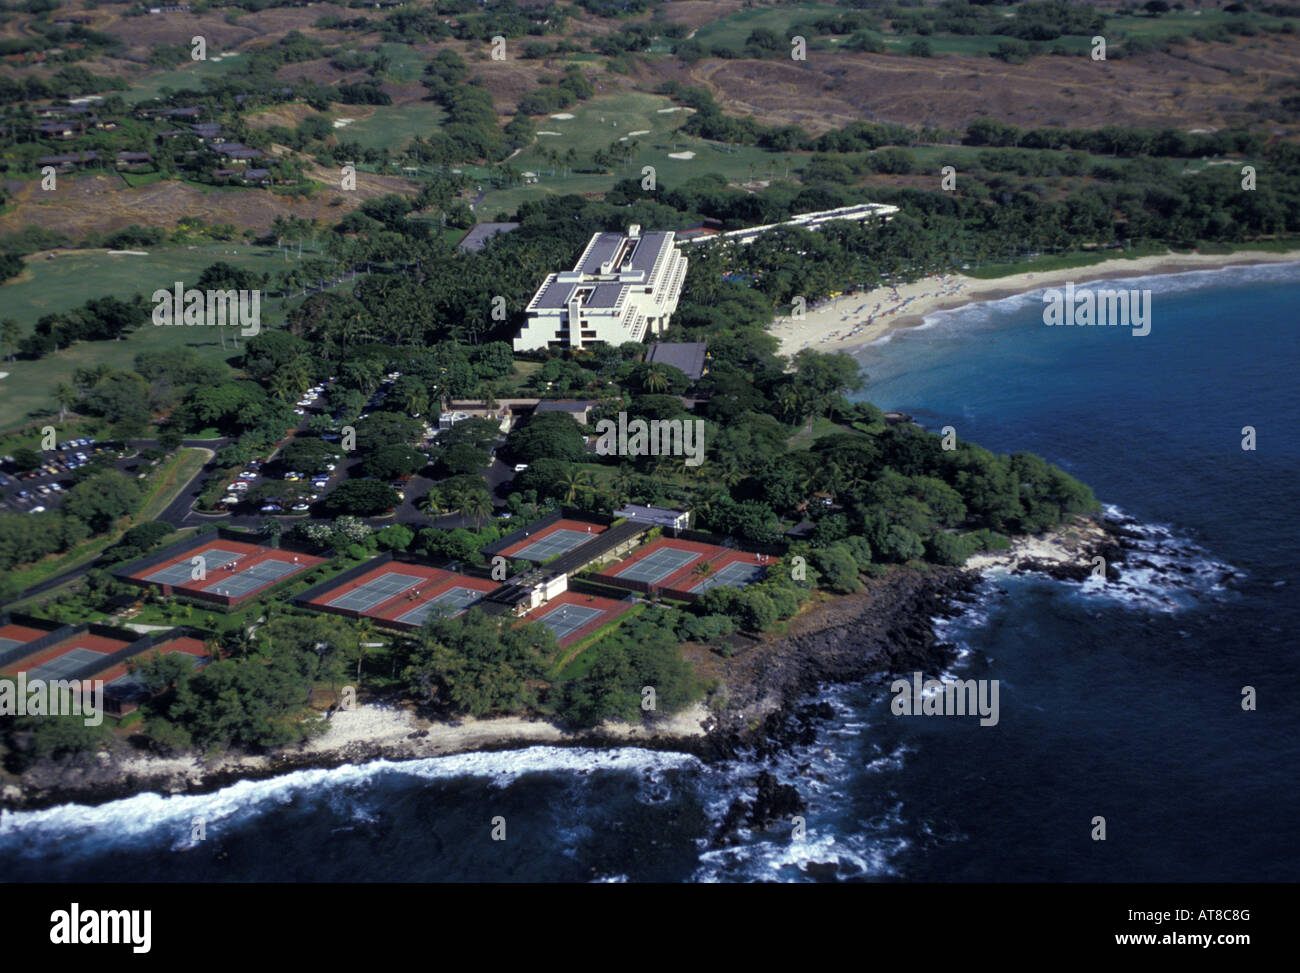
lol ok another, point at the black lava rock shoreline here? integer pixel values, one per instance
(770, 707)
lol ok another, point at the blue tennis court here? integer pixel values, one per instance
(7, 644)
(554, 543)
(375, 591)
(658, 565)
(183, 571)
(239, 583)
(449, 604)
(65, 665)
(737, 574)
(567, 619)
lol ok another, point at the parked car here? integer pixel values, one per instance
(271, 508)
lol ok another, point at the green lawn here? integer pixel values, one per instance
(604, 120)
(390, 127)
(1170, 24)
(733, 29)
(406, 63)
(822, 426)
(191, 74)
(52, 286)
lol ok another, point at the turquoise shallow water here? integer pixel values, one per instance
(1119, 701)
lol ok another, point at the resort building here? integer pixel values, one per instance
(859, 213)
(625, 286)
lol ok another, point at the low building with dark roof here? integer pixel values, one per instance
(62, 131)
(657, 516)
(690, 356)
(69, 161)
(580, 409)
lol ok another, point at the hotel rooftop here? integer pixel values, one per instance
(624, 286)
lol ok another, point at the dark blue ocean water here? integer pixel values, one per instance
(1116, 700)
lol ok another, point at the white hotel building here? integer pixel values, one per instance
(624, 286)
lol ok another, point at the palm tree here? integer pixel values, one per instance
(623, 482)
(415, 400)
(65, 395)
(238, 643)
(575, 481)
(476, 505)
(787, 399)
(728, 472)
(365, 631)
(656, 379)
(435, 504)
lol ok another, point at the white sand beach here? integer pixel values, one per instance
(858, 319)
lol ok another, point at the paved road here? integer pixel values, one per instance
(180, 512)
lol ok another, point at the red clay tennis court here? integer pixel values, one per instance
(57, 661)
(572, 616)
(404, 594)
(673, 565)
(557, 538)
(13, 635)
(231, 571)
(82, 651)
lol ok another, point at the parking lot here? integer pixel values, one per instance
(34, 491)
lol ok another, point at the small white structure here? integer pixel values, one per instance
(539, 592)
(625, 285)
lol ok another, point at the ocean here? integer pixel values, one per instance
(1120, 701)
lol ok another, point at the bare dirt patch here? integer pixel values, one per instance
(142, 34)
(1207, 86)
(101, 203)
(287, 116)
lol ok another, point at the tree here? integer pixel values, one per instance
(307, 453)
(388, 462)
(477, 506)
(26, 459)
(839, 569)
(272, 529)
(477, 664)
(365, 498)
(101, 499)
(547, 435)
(11, 334)
(461, 458)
